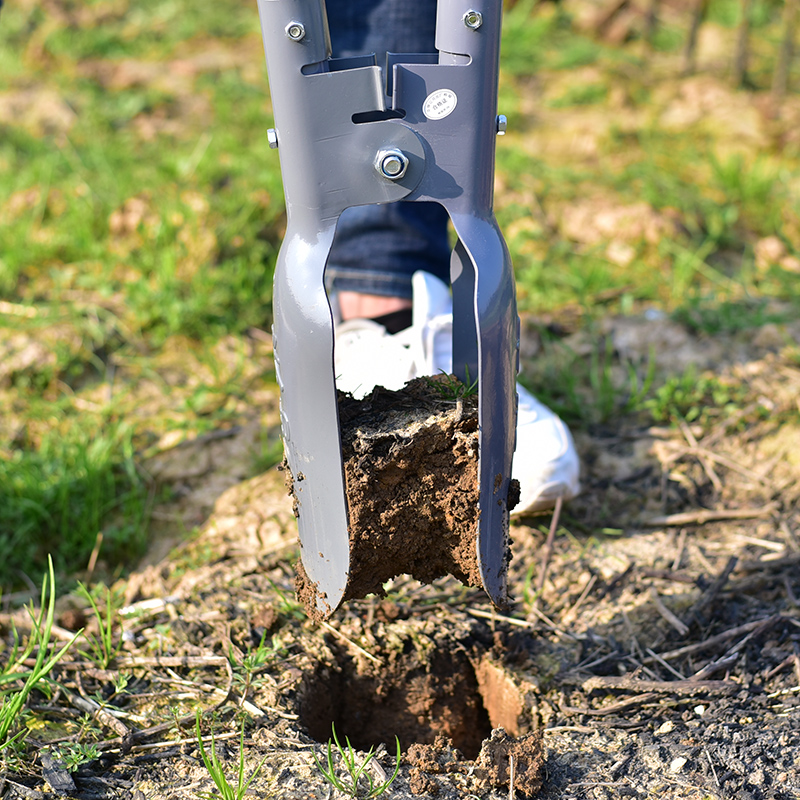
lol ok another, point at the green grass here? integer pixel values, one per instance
(225, 790)
(141, 213)
(28, 667)
(692, 397)
(56, 498)
(358, 782)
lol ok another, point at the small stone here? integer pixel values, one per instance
(757, 777)
(699, 710)
(667, 727)
(677, 764)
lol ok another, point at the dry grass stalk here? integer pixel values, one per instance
(548, 551)
(701, 516)
(679, 626)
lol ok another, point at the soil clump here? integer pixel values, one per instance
(411, 472)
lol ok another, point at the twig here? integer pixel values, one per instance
(679, 675)
(788, 661)
(570, 729)
(191, 662)
(767, 544)
(713, 769)
(493, 615)
(703, 458)
(635, 646)
(548, 551)
(760, 564)
(150, 607)
(328, 627)
(720, 638)
(701, 516)
(553, 627)
(728, 660)
(512, 792)
(221, 737)
(614, 708)
(668, 575)
(791, 535)
(573, 611)
(89, 706)
(667, 614)
(708, 597)
(98, 543)
(687, 687)
(136, 737)
(702, 452)
(676, 564)
(25, 623)
(616, 580)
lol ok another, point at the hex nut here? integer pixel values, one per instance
(296, 31)
(392, 164)
(473, 19)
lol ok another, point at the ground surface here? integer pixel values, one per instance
(660, 657)
(652, 210)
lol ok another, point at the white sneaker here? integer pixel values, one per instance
(545, 462)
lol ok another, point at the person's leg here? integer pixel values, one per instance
(378, 248)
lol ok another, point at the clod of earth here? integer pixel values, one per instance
(411, 472)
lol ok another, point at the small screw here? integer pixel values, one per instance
(272, 138)
(502, 124)
(296, 31)
(392, 164)
(473, 19)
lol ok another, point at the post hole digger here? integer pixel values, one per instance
(350, 132)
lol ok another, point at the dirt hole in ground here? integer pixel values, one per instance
(426, 685)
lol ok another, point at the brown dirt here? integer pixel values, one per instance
(411, 470)
(662, 656)
(499, 756)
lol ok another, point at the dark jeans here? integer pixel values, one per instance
(378, 248)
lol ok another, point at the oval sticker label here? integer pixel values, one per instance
(439, 104)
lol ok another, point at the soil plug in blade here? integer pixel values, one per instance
(350, 132)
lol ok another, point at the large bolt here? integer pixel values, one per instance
(296, 31)
(473, 19)
(392, 164)
(272, 138)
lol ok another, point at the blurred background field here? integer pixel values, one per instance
(648, 192)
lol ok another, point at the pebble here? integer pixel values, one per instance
(677, 764)
(667, 727)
